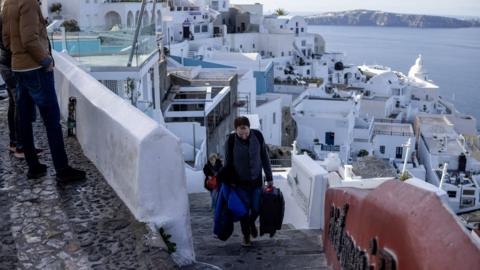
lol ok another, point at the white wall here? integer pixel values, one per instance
(391, 143)
(270, 127)
(186, 133)
(309, 185)
(372, 108)
(247, 86)
(140, 159)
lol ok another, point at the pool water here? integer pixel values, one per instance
(86, 47)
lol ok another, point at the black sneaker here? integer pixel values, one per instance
(70, 174)
(37, 171)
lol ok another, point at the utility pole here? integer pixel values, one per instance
(137, 32)
(407, 153)
(444, 174)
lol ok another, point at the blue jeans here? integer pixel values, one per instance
(251, 197)
(13, 124)
(37, 87)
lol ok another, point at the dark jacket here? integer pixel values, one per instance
(229, 173)
(210, 170)
(5, 54)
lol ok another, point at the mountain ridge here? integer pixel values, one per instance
(378, 18)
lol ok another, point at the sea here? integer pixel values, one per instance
(450, 56)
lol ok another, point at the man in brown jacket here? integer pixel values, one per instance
(25, 35)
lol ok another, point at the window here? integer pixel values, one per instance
(241, 46)
(308, 71)
(274, 118)
(452, 194)
(469, 192)
(399, 152)
(382, 149)
(303, 29)
(204, 28)
(253, 45)
(194, 17)
(197, 29)
(283, 54)
(281, 26)
(304, 43)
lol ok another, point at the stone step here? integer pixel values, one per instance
(287, 249)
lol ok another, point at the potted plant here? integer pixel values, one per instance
(56, 8)
(71, 26)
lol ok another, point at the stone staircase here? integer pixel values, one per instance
(288, 249)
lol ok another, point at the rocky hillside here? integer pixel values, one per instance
(380, 18)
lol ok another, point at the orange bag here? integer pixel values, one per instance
(212, 183)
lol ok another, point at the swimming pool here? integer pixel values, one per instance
(87, 47)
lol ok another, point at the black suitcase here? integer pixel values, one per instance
(272, 210)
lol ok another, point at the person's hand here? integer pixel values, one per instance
(50, 67)
(269, 184)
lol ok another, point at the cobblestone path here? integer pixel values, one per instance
(79, 226)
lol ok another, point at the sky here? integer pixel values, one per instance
(430, 7)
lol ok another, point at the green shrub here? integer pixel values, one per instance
(71, 26)
(362, 153)
(172, 247)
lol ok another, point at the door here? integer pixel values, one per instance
(186, 32)
(330, 138)
(399, 153)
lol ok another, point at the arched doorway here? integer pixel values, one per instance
(130, 22)
(145, 18)
(137, 14)
(112, 18)
(159, 19)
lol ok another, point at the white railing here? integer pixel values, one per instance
(139, 158)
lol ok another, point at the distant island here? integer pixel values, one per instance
(387, 19)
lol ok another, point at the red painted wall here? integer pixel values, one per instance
(409, 223)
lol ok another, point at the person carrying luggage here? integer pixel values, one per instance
(245, 157)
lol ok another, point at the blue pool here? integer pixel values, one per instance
(83, 47)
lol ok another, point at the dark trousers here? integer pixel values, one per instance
(251, 197)
(37, 87)
(13, 123)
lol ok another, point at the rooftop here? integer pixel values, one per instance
(393, 129)
(372, 167)
(443, 146)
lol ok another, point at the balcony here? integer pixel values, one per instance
(330, 148)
